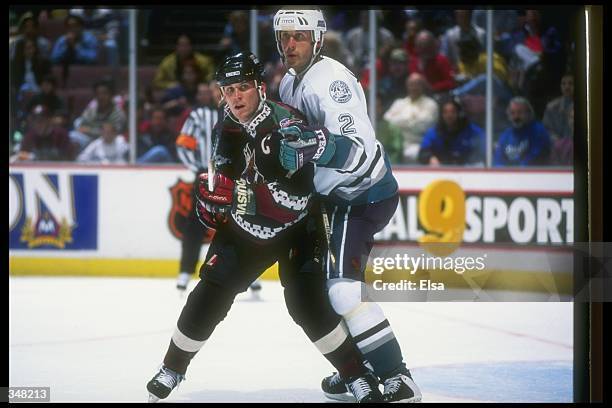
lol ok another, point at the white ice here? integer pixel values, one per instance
(102, 339)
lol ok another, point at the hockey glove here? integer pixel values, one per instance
(302, 144)
(213, 206)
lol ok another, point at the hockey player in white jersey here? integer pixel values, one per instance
(356, 187)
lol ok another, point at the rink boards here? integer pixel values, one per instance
(126, 220)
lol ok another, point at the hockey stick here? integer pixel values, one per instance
(327, 230)
(211, 175)
(211, 162)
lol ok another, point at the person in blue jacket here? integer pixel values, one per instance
(527, 142)
(77, 46)
(454, 140)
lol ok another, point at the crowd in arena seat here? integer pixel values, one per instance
(69, 83)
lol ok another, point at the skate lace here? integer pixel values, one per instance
(168, 379)
(335, 379)
(392, 385)
(360, 388)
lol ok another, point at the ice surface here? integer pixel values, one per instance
(102, 339)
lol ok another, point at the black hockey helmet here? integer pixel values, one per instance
(240, 67)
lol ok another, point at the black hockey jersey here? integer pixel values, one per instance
(268, 199)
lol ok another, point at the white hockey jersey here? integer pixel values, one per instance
(329, 95)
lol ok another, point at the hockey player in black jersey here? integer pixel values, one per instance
(260, 213)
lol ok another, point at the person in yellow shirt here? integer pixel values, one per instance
(473, 60)
(472, 79)
(170, 70)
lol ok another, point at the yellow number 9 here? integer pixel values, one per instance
(442, 214)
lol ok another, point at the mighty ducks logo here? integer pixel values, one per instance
(340, 91)
(52, 211)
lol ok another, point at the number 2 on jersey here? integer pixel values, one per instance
(347, 127)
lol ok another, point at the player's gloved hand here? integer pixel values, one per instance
(302, 144)
(212, 207)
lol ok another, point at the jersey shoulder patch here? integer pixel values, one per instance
(340, 91)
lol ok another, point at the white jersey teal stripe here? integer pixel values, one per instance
(329, 95)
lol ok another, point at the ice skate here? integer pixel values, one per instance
(163, 383)
(255, 290)
(182, 281)
(335, 389)
(401, 388)
(364, 389)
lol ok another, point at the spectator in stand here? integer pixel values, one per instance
(105, 25)
(109, 148)
(171, 68)
(559, 121)
(464, 26)
(47, 97)
(528, 42)
(382, 62)
(28, 69)
(357, 40)
(44, 140)
(156, 145)
(389, 135)
(182, 96)
(143, 119)
(539, 61)
(413, 115)
(473, 60)
(436, 20)
(473, 80)
(434, 66)
(454, 141)
(560, 111)
(26, 72)
(29, 29)
(236, 34)
(527, 142)
(392, 84)
(103, 109)
(77, 46)
(505, 22)
(205, 96)
(563, 149)
(412, 28)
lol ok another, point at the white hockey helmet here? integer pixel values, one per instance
(300, 20)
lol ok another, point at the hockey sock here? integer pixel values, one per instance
(373, 336)
(340, 350)
(177, 359)
(206, 306)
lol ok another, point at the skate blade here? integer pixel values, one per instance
(153, 398)
(408, 400)
(346, 397)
